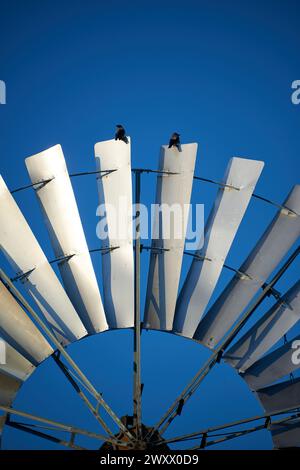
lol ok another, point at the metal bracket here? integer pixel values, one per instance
(268, 422)
(218, 183)
(197, 257)
(180, 407)
(275, 293)
(219, 356)
(72, 439)
(153, 249)
(203, 441)
(241, 274)
(102, 173)
(62, 259)
(22, 276)
(105, 251)
(42, 184)
(84, 173)
(158, 172)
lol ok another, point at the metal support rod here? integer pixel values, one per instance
(137, 408)
(231, 436)
(83, 397)
(257, 196)
(218, 183)
(104, 250)
(59, 426)
(236, 434)
(149, 170)
(232, 424)
(243, 432)
(273, 292)
(85, 173)
(280, 206)
(61, 259)
(56, 440)
(171, 413)
(154, 249)
(32, 185)
(5, 279)
(71, 175)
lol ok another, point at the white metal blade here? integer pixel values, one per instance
(221, 228)
(278, 397)
(16, 365)
(9, 387)
(19, 331)
(115, 192)
(273, 366)
(278, 238)
(281, 396)
(267, 331)
(63, 222)
(2, 424)
(165, 266)
(41, 281)
(12, 375)
(286, 434)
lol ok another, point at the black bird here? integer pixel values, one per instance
(121, 133)
(175, 141)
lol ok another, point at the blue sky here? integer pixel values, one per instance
(218, 72)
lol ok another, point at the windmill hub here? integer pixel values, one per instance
(143, 443)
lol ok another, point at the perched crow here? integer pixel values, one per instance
(175, 141)
(121, 133)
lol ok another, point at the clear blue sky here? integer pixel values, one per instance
(220, 73)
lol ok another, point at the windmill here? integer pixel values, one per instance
(41, 319)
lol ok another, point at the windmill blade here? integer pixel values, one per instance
(267, 331)
(282, 396)
(115, 198)
(230, 206)
(12, 375)
(173, 191)
(274, 365)
(19, 331)
(287, 434)
(3, 419)
(16, 365)
(63, 222)
(8, 389)
(38, 276)
(278, 238)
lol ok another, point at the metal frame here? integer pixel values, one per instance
(57, 426)
(30, 430)
(137, 387)
(162, 173)
(99, 399)
(216, 357)
(94, 410)
(76, 376)
(267, 423)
